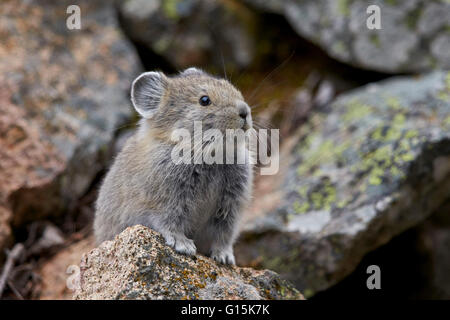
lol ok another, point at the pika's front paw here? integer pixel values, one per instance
(223, 256)
(181, 244)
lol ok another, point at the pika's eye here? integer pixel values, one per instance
(205, 101)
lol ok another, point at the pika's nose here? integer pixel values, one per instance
(243, 110)
(243, 113)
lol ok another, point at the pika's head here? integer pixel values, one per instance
(169, 103)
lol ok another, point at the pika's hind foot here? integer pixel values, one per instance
(180, 243)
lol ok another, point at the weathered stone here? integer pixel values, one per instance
(63, 94)
(138, 264)
(414, 34)
(375, 163)
(213, 34)
(56, 272)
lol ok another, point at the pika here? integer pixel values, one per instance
(195, 206)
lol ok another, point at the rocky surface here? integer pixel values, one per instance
(414, 34)
(374, 163)
(213, 34)
(63, 95)
(55, 272)
(138, 265)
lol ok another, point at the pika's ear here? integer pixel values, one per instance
(147, 91)
(191, 71)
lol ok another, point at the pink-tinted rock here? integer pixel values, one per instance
(63, 95)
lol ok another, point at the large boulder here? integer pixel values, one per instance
(414, 34)
(372, 164)
(138, 264)
(214, 34)
(63, 95)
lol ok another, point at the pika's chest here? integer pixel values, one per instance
(214, 183)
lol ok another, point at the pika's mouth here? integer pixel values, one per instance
(247, 124)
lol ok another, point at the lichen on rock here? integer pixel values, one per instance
(414, 35)
(372, 165)
(138, 264)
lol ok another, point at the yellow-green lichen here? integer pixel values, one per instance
(323, 196)
(399, 119)
(384, 134)
(329, 196)
(342, 203)
(447, 121)
(356, 111)
(343, 7)
(302, 191)
(447, 81)
(407, 157)
(396, 172)
(411, 134)
(375, 157)
(393, 103)
(386, 159)
(170, 8)
(326, 152)
(301, 208)
(323, 152)
(317, 199)
(444, 94)
(375, 176)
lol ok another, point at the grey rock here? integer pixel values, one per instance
(204, 33)
(414, 34)
(138, 264)
(374, 164)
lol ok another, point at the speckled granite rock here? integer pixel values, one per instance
(138, 265)
(374, 164)
(63, 94)
(192, 32)
(415, 34)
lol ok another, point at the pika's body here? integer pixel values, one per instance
(196, 207)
